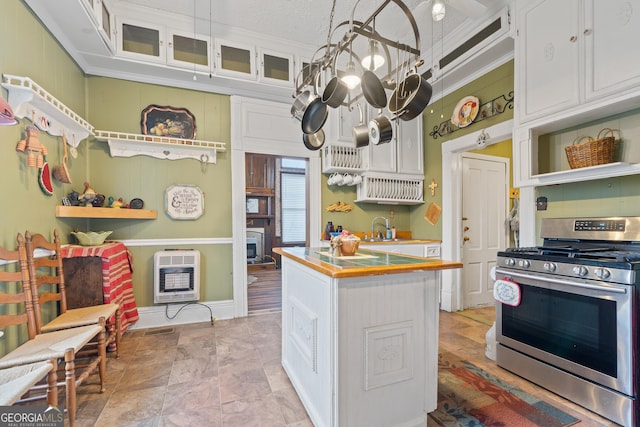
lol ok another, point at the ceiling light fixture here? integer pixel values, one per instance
(373, 60)
(438, 10)
(350, 78)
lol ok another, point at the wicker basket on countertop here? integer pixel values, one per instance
(593, 152)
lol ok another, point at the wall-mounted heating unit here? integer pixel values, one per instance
(176, 276)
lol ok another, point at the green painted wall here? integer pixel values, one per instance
(116, 105)
(359, 219)
(28, 50)
(494, 84)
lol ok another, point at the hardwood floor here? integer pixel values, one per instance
(230, 375)
(264, 292)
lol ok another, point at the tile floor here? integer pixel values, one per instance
(229, 374)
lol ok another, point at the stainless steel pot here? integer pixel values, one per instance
(380, 130)
(314, 141)
(300, 104)
(360, 133)
(410, 97)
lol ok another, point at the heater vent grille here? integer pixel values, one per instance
(176, 276)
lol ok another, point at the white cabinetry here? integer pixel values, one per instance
(403, 154)
(571, 52)
(276, 68)
(577, 67)
(156, 43)
(413, 249)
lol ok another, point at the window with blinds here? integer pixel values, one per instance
(293, 200)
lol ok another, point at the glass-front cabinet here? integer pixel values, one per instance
(277, 68)
(100, 12)
(189, 50)
(148, 42)
(235, 60)
(141, 40)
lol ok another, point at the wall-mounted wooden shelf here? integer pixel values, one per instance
(130, 144)
(91, 212)
(29, 100)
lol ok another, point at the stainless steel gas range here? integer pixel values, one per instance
(567, 317)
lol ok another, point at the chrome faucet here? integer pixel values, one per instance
(373, 231)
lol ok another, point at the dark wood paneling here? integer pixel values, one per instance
(83, 281)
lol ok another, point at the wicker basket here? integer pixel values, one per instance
(593, 152)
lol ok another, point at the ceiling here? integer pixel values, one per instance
(308, 21)
(300, 25)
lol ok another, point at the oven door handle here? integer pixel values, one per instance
(613, 289)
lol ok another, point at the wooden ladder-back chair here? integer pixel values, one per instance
(49, 271)
(17, 378)
(62, 346)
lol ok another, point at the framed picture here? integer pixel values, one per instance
(168, 121)
(184, 202)
(253, 205)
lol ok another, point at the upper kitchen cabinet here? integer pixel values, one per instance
(156, 43)
(402, 155)
(579, 74)
(141, 40)
(100, 12)
(235, 59)
(276, 68)
(572, 53)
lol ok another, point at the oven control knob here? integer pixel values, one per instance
(580, 270)
(602, 273)
(510, 262)
(549, 266)
(524, 263)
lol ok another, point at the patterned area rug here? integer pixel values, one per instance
(471, 397)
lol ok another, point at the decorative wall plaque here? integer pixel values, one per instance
(184, 202)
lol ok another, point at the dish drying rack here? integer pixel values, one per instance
(340, 158)
(390, 190)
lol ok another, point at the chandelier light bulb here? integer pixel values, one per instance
(373, 60)
(438, 10)
(350, 78)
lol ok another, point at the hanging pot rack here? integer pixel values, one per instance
(356, 29)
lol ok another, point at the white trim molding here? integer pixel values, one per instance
(451, 297)
(264, 127)
(156, 316)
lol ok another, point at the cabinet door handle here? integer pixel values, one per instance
(587, 31)
(572, 39)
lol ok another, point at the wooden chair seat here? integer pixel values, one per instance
(18, 380)
(61, 346)
(51, 346)
(83, 316)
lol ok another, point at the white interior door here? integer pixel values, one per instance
(485, 183)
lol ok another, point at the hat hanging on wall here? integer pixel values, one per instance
(6, 114)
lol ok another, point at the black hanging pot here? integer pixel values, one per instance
(335, 92)
(373, 90)
(314, 141)
(314, 116)
(410, 97)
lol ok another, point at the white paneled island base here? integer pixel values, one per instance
(360, 342)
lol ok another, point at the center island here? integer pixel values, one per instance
(360, 335)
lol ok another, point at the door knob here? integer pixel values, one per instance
(466, 228)
(465, 239)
